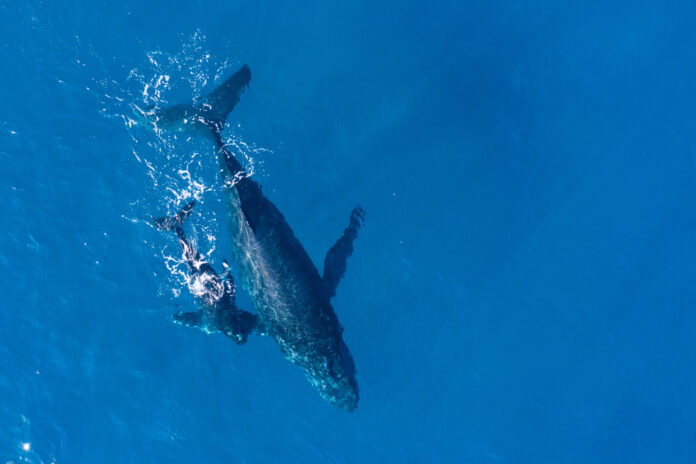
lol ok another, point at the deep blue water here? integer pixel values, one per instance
(522, 291)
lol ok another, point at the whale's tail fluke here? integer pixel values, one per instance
(206, 116)
(220, 102)
(172, 222)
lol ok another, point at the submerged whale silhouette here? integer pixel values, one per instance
(291, 298)
(219, 312)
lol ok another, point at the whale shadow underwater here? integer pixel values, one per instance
(292, 300)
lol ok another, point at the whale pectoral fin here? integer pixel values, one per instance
(336, 260)
(246, 324)
(189, 319)
(252, 324)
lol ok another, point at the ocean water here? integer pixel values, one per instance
(522, 290)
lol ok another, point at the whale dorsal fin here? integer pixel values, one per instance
(218, 104)
(336, 261)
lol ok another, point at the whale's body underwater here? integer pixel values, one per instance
(291, 298)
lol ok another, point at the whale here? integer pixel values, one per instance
(215, 295)
(291, 298)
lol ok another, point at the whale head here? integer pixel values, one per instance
(335, 379)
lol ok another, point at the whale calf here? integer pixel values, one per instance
(216, 296)
(292, 299)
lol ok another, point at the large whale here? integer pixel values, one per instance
(292, 299)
